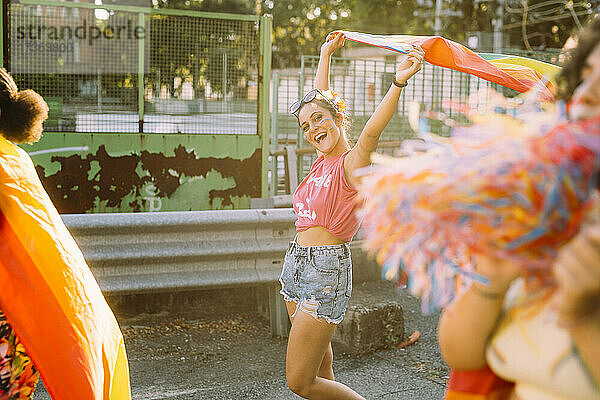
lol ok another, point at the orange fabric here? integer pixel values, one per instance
(448, 54)
(15, 261)
(49, 295)
(481, 384)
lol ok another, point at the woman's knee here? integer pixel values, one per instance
(299, 384)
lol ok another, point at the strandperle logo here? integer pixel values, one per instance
(89, 33)
(47, 40)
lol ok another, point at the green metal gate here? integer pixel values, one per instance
(150, 109)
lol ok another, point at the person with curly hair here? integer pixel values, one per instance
(543, 343)
(22, 112)
(317, 273)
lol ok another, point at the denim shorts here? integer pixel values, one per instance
(318, 279)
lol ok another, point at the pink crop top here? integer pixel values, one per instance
(324, 198)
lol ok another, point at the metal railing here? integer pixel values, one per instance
(178, 251)
(146, 252)
(131, 253)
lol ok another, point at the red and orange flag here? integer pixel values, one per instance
(518, 73)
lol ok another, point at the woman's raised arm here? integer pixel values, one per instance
(333, 42)
(360, 155)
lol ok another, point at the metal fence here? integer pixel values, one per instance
(148, 252)
(137, 69)
(177, 251)
(362, 84)
(195, 83)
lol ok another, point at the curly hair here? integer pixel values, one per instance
(22, 112)
(343, 114)
(570, 75)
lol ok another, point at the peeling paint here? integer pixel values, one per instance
(83, 182)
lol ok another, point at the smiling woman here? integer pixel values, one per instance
(580, 77)
(316, 278)
(330, 101)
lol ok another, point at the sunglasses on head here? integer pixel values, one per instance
(308, 97)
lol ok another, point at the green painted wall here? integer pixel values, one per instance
(89, 173)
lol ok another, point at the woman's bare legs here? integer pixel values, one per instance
(309, 359)
(326, 368)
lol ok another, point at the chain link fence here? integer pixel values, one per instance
(133, 69)
(203, 74)
(52, 53)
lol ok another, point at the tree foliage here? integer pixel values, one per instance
(541, 24)
(298, 30)
(300, 26)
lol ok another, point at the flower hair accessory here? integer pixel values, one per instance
(335, 99)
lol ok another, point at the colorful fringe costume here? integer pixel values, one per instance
(502, 187)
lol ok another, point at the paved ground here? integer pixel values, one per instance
(201, 355)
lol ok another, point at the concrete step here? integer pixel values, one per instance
(374, 319)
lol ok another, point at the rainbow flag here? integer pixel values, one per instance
(518, 73)
(49, 295)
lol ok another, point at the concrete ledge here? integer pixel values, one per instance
(374, 320)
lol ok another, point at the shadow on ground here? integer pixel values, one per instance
(218, 353)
